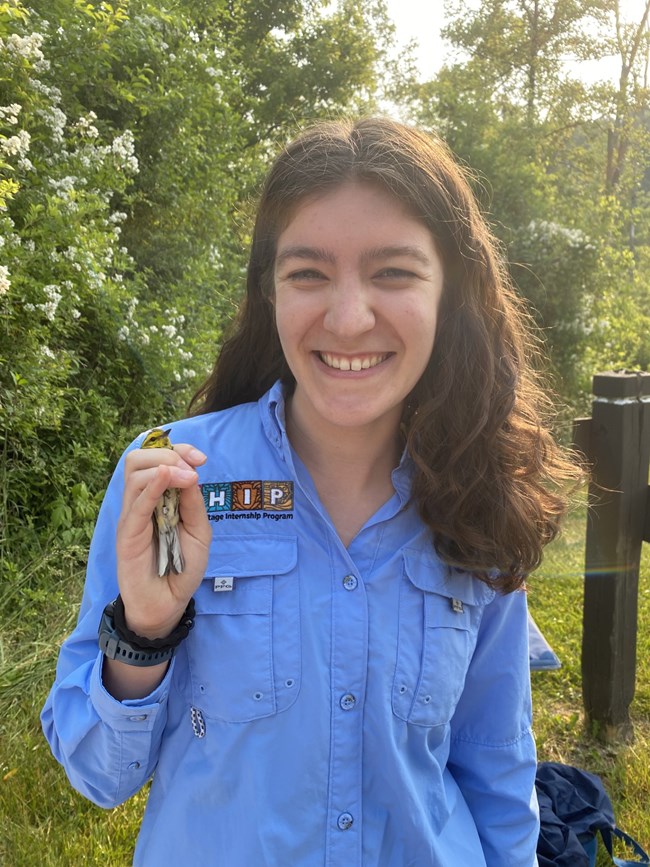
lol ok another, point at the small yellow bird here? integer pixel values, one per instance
(166, 515)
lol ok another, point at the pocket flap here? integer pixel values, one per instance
(251, 562)
(427, 572)
(249, 555)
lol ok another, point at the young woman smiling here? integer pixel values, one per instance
(375, 482)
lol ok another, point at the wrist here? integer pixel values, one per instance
(119, 642)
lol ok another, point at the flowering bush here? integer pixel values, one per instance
(90, 354)
(131, 136)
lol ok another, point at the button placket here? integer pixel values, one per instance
(348, 685)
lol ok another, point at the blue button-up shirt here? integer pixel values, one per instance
(332, 706)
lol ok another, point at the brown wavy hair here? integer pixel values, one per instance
(490, 479)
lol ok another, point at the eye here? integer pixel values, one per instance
(305, 275)
(395, 274)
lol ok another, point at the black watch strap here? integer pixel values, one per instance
(133, 649)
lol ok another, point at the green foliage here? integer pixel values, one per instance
(132, 135)
(561, 168)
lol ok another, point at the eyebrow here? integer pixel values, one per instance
(390, 252)
(318, 254)
(312, 253)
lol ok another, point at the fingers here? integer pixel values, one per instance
(140, 472)
(192, 455)
(183, 455)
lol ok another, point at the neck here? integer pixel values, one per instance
(361, 457)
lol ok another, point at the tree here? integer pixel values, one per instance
(542, 144)
(132, 135)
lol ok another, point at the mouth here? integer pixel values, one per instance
(354, 362)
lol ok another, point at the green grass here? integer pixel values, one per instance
(44, 822)
(555, 600)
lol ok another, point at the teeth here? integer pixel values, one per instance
(351, 363)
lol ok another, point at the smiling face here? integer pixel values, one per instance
(358, 283)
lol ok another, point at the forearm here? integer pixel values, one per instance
(126, 682)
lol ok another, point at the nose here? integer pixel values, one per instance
(350, 311)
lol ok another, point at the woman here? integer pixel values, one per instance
(374, 484)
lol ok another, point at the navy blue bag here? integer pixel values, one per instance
(574, 807)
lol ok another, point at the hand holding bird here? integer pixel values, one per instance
(161, 562)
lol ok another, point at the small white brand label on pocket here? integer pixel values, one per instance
(457, 606)
(223, 582)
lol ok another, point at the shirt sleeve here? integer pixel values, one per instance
(108, 748)
(492, 751)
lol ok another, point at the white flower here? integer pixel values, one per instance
(123, 147)
(86, 127)
(64, 185)
(168, 330)
(56, 120)
(144, 338)
(10, 112)
(28, 47)
(123, 333)
(177, 377)
(50, 306)
(47, 352)
(188, 373)
(5, 282)
(16, 145)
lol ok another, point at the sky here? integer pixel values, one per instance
(423, 19)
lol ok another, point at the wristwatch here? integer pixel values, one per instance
(115, 646)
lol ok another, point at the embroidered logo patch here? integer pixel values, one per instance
(260, 499)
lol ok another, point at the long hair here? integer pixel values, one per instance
(489, 477)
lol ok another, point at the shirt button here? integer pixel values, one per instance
(350, 582)
(133, 766)
(344, 821)
(140, 718)
(348, 701)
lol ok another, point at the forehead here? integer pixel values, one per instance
(352, 210)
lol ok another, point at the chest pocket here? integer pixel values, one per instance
(439, 615)
(244, 652)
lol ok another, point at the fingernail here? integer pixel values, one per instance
(196, 456)
(186, 475)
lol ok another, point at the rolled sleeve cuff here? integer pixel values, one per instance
(136, 714)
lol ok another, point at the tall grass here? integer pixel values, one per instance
(44, 822)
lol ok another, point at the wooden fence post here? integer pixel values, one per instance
(619, 449)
